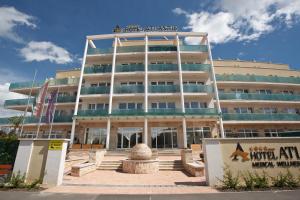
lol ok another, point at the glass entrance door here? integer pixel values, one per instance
(128, 137)
(164, 137)
(195, 135)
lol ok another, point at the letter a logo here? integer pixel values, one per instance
(239, 152)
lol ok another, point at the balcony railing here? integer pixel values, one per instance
(130, 68)
(129, 112)
(163, 67)
(131, 49)
(201, 111)
(261, 116)
(129, 89)
(163, 88)
(52, 82)
(90, 113)
(196, 67)
(257, 96)
(66, 99)
(19, 102)
(97, 69)
(93, 51)
(193, 88)
(165, 111)
(34, 120)
(162, 48)
(198, 48)
(95, 90)
(255, 78)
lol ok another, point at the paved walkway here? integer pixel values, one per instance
(113, 182)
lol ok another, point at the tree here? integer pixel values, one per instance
(15, 122)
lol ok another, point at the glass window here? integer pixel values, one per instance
(153, 83)
(162, 105)
(153, 105)
(170, 83)
(203, 105)
(224, 110)
(171, 104)
(100, 106)
(92, 106)
(94, 85)
(194, 104)
(131, 105)
(122, 106)
(186, 104)
(161, 83)
(139, 105)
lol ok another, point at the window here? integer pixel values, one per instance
(241, 91)
(272, 132)
(194, 104)
(139, 106)
(269, 110)
(224, 110)
(287, 92)
(264, 91)
(243, 110)
(171, 104)
(221, 90)
(247, 133)
(193, 83)
(195, 135)
(131, 105)
(92, 106)
(94, 84)
(122, 106)
(153, 105)
(162, 105)
(186, 104)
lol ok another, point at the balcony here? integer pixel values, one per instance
(162, 48)
(130, 68)
(92, 113)
(165, 111)
(19, 102)
(255, 78)
(163, 67)
(94, 51)
(21, 85)
(196, 67)
(34, 120)
(201, 111)
(257, 96)
(260, 117)
(97, 69)
(193, 88)
(129, 49)
(128, 112)
(164, 88)
(66, 99)
(197, 48)
(129, 89)
(95, 90)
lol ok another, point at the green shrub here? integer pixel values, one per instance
(229, 181)
(280, 180)
(261, 180)
(291, 181)
(249, 180)
(17, 180)
(34, 184)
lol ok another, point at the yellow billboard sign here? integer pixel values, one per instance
(55, 145)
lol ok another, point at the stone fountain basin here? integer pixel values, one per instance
(140, 166)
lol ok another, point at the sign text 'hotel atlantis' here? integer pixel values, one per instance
(137, 28)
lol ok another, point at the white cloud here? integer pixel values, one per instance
(9, 19)
(41, 51)
(241, 20)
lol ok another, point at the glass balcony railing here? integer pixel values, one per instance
(19, 102)
(257, 96)
(127, 112)
(4, 121)
(164, 88)
(200, 48)
(261, 116)
(165, 111)
(196, 67)
(90, 113)
(97, 69)
(162, 48)
(93, 51)
(21, 85)
(130, 49)
(95, 90)
(128, 89)
(66, 99)
(201, 111)
(34, 120)
(130, 68)
(162, 67)
(255, 78)
(194, 88)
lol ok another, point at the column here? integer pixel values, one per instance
(107, 133)
(145, 136)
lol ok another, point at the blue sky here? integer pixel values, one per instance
(50, 35)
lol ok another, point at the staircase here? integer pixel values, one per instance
(110, 165)
(170, 165)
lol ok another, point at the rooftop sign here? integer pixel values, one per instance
(137, 28)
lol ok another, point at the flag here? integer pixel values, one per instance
(51, 105)
(40, 100)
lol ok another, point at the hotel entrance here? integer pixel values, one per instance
(129, 136)
(164, 137)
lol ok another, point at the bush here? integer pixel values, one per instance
(229, 181)
(261, 181)
(249, 180)
(291, 181)
(280, 180)
(17, 180)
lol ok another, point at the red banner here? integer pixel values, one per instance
(40, 100)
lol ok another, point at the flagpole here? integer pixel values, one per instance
(53, 114)
(40, 120)
(28, 101)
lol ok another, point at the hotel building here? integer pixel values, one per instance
(153, 87)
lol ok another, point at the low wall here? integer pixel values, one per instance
(270, 155)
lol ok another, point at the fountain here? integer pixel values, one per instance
(140, 161)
